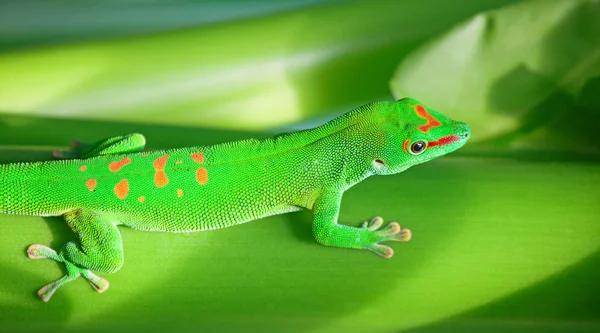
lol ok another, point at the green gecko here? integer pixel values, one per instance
(112, 182)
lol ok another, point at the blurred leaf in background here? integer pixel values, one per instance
(253, 73)
(527, 73)
(500, 244)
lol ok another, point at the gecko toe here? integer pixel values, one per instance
(391, 229)
(98, 283)
(38, 251)
(382, 250)
(375, 223)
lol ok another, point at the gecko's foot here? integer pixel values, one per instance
(73, 272)
(74, 152)
(38, 251)
(391, 232)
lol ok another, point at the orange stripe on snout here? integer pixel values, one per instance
(160, 177)
(431, 121)
(116, 166)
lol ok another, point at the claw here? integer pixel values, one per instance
(405, 235)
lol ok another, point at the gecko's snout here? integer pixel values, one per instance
(462, 130)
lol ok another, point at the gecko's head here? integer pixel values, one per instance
(413, 133)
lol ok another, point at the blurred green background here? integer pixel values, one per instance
(506, 231)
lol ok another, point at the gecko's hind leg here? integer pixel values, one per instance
(100, 250)
(38, 251)
(131, 143)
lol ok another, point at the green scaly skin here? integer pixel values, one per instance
(111, 183)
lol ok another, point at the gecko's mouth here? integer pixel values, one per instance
(453, 141)
(449, 143)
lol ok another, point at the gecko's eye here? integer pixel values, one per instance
(418, 147)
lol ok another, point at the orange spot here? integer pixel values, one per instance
(179, 192)
(82, 168)
(160, 177)
(122, 189)
(144, 154)
(91, 184)
(116, 166)
(198, 157)
(431, 121)
(202, 176)
(405, 145)
(178, 162)
(141, 199)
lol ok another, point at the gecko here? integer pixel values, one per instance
(99, 187)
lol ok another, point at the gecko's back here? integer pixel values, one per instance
(186, 189)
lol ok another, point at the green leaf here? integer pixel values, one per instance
(484, 232)
(502, 241)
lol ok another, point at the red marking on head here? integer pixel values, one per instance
(179, 192)
(179, 162)
(405, 145)
(160, 177)
(122, 189)
(141, 199)
(116, 166)
(443, 141)
(91, 184)
(431, 121)
(198, 157)
(144, 154)
(82, 168)
(202, 176)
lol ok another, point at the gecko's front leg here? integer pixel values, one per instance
(328, 232)
(131, 143)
